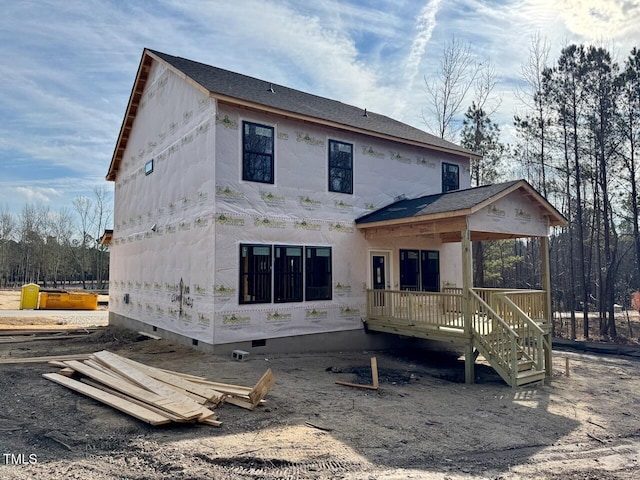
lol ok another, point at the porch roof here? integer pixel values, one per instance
(447, 213)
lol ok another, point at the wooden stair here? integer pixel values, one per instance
(524, 372)
(505, 348)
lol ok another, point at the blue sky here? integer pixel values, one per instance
(67, 66)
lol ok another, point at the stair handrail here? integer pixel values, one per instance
(538, 333)
(511, 365)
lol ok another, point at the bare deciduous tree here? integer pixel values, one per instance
(448, 88)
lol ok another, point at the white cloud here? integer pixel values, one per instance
(425, 24)
(72, 64)
(37, 194)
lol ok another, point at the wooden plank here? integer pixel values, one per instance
(230, 389)
(149, 335)
(33, 331)
(213, 420)
(67, 372)
(192, 396)
(103, 369)
(119, 364)
(31, 338)
(357, 385)
(262, 387)
(57, 363)
(374, 372)
(374, 378)
(162, 402)
(188, 376)
(79, 356)
(201, 391)
(239, 403)
(226, 388)
(100, 386)
(121, 404)
(210, 421)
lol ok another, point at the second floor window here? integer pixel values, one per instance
(257, 152)
(450, 177)
(340, 167)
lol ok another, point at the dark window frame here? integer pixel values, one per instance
(272, 279)
(338, 172)
(416, 278)
(313, 284)
(252, 153)
(288, 275)
(148, 167)
(450, 177)
(255, 282)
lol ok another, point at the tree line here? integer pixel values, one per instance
(54, 249)
(577, 140)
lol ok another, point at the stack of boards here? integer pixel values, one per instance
(154, 395)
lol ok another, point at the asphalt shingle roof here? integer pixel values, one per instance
(437, 203)
(242, 87)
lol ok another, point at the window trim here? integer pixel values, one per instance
(445, 165)
(272, 155)
(329, 150)
(147, 170)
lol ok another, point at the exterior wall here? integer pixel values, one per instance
(167, 270)
(298, 209)
(511, 214)
(177, 230)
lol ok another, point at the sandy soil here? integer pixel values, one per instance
(422, 423)
(12, 318)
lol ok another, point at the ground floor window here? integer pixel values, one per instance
(318, 275)
(287, 274)
(420, 270)
(255, 273)
(283, 273)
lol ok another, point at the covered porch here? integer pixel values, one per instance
(510, 328)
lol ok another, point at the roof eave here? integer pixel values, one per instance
(132, 109)
(556, 219)
(343, 126)
(414, 219)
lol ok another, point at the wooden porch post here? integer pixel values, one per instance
(546, 286)
(467, 284)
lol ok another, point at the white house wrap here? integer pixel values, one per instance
(188, 222)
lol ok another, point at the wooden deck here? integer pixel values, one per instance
(508, 327)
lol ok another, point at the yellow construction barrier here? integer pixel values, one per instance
(68, 301)
(29, 296)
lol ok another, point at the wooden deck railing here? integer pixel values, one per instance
(501, 322)
(529, 332)
(445, 308)
(531, 302)
(419, 308)
(498, 340)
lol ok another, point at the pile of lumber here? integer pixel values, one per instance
(151, 394)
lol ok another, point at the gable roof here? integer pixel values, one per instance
(456, 203)
(238, 89)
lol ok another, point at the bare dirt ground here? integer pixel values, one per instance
(422, 423)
